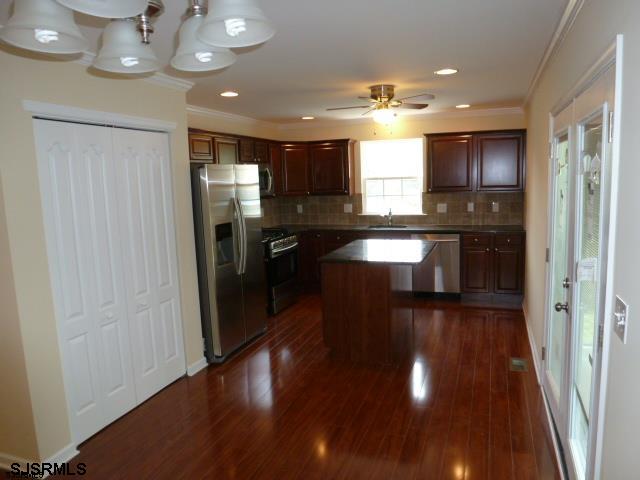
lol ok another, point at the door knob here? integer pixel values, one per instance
(562, 306)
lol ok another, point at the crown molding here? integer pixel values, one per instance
(232, 117)
(157, 78)
(564, 26)
(485, 112)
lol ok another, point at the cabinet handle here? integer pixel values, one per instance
(488, 249)
(475, 240)
(508, 240)
(496, 249)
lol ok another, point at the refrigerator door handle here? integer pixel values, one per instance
(245, 242)
(237, 236)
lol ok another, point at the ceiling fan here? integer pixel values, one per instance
(382, 103)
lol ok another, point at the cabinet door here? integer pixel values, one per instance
(476, 270)
(309, 250)
(201, 148)
(247, 150)
(261, 151)
(275, 155)
(500, 161)
(329, 168)
(295, 168)
(507, 268)
(450, 163)
(226, 150)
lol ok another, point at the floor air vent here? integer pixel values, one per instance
(518, 365)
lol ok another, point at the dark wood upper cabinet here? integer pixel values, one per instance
(500, 161)
(275, 155)
(450, 163)
(476, 161)
(201, 148)
(329, 168)
(295, 169)
(226, 150)
(247, 150)
(261, 151)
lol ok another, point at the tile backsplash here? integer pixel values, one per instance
(457, 209)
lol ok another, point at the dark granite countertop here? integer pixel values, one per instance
(295, 228)
(394, 252)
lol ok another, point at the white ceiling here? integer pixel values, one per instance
(326, 53)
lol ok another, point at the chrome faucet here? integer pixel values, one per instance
(389, 218)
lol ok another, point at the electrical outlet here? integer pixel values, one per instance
(471, 207)
(621, 319)
(299, 208)
(495, 207)
(442, 208)
(348, 208)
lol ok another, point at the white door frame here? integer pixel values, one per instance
(612, 57)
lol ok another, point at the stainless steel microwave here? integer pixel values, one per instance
(267, 183)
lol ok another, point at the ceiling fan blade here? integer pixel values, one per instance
(414, 106)
(368, 111)
(426, 96)
(369, 99)
(348, 108)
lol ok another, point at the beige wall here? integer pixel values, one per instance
(594, 30)
(233, 125)
(69, 84)
(17, 430)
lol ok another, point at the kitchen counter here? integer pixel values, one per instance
(394, 252)
(295, 228)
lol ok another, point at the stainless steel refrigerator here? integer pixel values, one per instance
(231, 271)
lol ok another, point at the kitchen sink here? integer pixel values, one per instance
(387, 226)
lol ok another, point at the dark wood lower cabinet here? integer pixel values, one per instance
(476, 269)
(495, 266)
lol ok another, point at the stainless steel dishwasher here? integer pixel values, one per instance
(440, 272)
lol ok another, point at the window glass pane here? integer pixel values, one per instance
(374, 187)
(410, 187)
(375, 204)
(393, 187)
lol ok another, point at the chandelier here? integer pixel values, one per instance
(206, 36)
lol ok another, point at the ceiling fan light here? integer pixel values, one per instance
(384, 116)
(235, 24)
(107, 9)
(43, 26)
(123, 51)
(193, 55)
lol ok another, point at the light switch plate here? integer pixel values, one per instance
(442, 208)
(471, 207)
(495, 207)
(299, 207)
(348, 208)
(621, 319)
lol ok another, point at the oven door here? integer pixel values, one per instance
(283, 267)
(265, 172)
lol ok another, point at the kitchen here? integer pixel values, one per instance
(341, 256)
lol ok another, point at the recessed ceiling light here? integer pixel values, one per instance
(464, 105)
(229, 93)
(308, 118)
(446, 71)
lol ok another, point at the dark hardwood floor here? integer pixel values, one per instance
(283, 408)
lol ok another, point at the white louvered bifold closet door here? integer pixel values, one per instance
(92, 248)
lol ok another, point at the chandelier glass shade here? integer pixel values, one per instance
(123, 51)
(384, 116)
(235, 24)
(106, 8)
(193, 55)
(43, 26)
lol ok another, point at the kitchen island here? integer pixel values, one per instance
(366, 306)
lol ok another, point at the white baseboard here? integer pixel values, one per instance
(62, 456)
(536, 365)
(196, 367)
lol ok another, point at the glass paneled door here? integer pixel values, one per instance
(576, 287)
(559, 272)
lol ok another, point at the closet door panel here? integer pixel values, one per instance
(142, 160)
(78, 185)
(111, 329)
